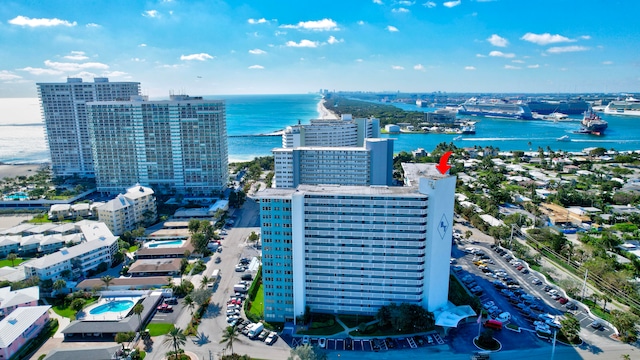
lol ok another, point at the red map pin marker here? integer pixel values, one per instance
(443, 167)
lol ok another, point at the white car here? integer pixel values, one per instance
(271, 338)
(536, 281)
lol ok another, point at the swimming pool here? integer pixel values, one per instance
(162, 244)
(17, 196)
(112, 306)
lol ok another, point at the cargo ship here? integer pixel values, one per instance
(593, 124)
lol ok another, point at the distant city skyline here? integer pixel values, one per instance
(278, 47)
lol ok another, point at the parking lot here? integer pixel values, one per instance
(374, 345)
(532, 303)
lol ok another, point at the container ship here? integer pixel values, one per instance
(495, 108)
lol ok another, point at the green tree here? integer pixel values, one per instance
(189, 303)
(123, 337)
(204, 281)
(12, 257)
(201, 296)
(570, 327)
(77, 305)
(199, 242)
(306, 352)
(253, 236)
(194, 226)
(175, 339)
(107, 279)
(626, 323)
(59, 285)
(229, 335)
(138, 309)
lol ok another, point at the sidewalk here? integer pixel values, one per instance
(63, 322)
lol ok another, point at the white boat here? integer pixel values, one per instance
(457, 138)
(555, 116)
(630, 107)
(564, 138)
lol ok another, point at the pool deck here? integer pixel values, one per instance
(159, 244)
(109, 315)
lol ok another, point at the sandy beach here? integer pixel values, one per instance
(324, 112)
(12, 171)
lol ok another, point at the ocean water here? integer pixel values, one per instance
(22, 135)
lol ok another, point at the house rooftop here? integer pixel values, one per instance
(14, 325)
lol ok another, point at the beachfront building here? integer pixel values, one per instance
(65, 117)
(331, 132)
(371, 164)
(174, 146)
(353, 249)
(100, 246)
(22, 325)
(127, 211)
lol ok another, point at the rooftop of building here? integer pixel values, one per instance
(10, 298)
(93, 353)
(151, 281)
(413, 172)
(155, 266)
(14, 325)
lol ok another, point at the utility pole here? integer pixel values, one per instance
(584, 283)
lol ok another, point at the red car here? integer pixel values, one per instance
(562, 300)
(165, 308)
(520, 267)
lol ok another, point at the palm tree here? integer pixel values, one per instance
(107, 280)
(188, 301)
(59, 285)
(175, 339)
(137, 309)
(229, 335)
(12, 257)
(204, 281)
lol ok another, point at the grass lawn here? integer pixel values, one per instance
(67, 312)
(157, 329)
(133, 248)
(17, 262)
(329, 330)
(257, 306)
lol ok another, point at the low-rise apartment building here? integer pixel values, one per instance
(129, 210)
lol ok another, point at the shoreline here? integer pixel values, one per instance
(15, 170)
(325, 113)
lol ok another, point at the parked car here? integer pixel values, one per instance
(263, 335)
(218, 260)
(571, 305)
(246, 277)
(271, 338)
(219, 249)
(171, 301)
(596, 324)
(562, 300)
(536, 281)
(164, 308)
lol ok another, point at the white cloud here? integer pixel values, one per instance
(76, 55)
(608, 62)
(332, 40)
(400, 10)
(93, 25)
(511, 67)
(359, 60)
(256, 67)
(430, 4)
(379, 2)
(518, 61)
(481, 56)
(418, 67)
(533, 66)
(585, 37)
(257, 52)
(199, 57)
(70, 67)
(142, 45)
(302, 43)
(26, 21)
(406, 3)
(392, 28)
(497, 40)
(7, 75)
(360, 22)
(451, 4)
(396, 67)
(137, 60)
(279, 33)
(41, 71)
(545, 39)
(258, 21)
(564, 49)
(501, 54)
(319, 25)
(114, 73)
(84, 74)
(469, 67)
(151, 13)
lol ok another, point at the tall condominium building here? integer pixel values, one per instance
(331, 132)
(353, 249)
(177, 145)
(127, 211)
(371, 164)
(65, 117)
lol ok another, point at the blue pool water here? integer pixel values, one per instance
(173, 243)
(113, 306)
(17, 196)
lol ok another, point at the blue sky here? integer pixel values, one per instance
(275, 46)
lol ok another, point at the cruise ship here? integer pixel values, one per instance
(630, 106)
(495, 108)
(569, 107)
